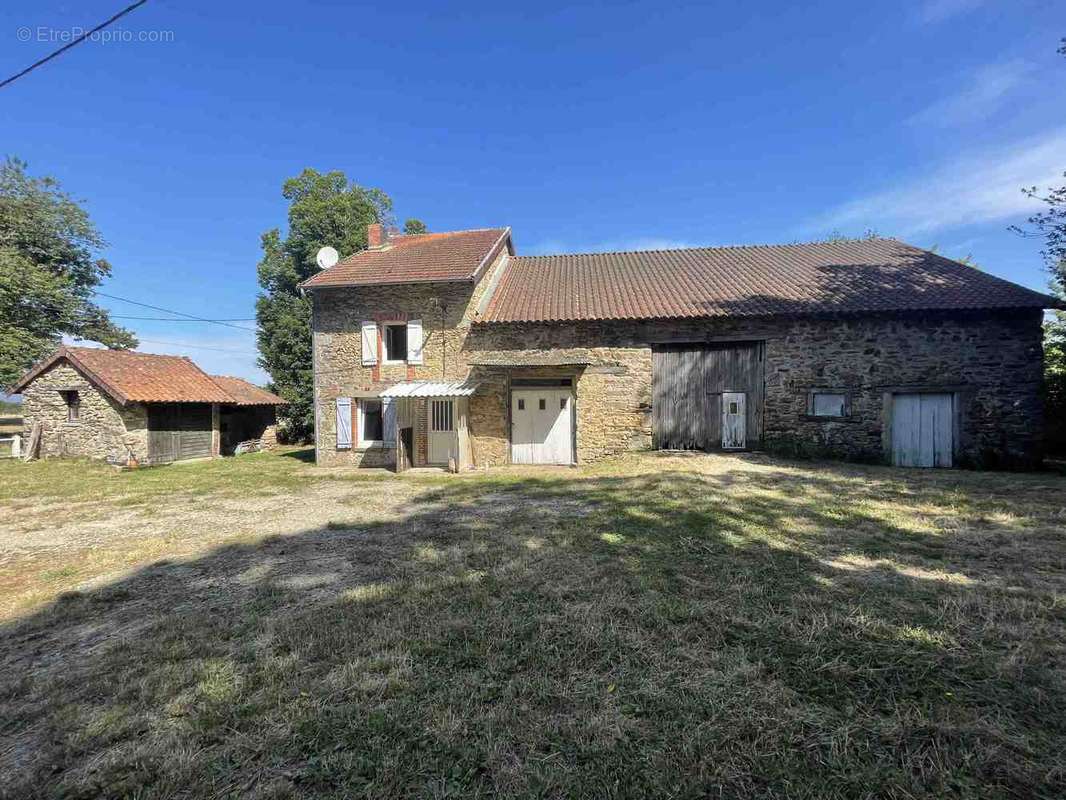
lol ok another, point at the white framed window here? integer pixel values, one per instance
(395, 336)
(371, 422)
(828, 404)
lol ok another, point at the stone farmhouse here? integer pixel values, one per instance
(125, 406)
(450, 349)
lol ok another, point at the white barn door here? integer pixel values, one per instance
(923, 430)
(541, 430)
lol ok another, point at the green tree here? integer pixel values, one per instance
(413, 226)
(48, 270)
(324, 209)
(1049, 225)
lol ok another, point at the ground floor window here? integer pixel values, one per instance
(371, 423)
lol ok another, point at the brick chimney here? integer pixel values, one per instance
(376, 235)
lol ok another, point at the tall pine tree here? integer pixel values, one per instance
(324, 209)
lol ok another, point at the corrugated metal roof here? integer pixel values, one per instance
(867, 276)
(431, 389)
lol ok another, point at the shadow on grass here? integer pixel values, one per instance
(305, 455)
(767, 632)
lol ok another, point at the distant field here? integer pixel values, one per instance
(10, 424)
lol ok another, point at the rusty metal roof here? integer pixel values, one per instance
(421, 258)
(868, 275)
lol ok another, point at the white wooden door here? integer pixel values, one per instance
(541, 430)
(443, 443)
(923, 429)
(734, 420)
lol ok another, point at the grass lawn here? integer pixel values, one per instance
(658, 626)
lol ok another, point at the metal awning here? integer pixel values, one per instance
(431, 389)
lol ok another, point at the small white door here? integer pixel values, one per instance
(923, 428)
(541, 431)
(734, 420)
(443, 443)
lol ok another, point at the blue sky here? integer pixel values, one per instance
(583, 126)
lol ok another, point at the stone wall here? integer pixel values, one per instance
(104, 430)
(446, 311)
(992, 362)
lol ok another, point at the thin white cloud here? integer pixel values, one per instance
(933, 11)
(975, 188)
(554, 246)
(984, 93)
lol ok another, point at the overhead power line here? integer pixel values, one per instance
(171, 319)
(199, 347)
(172, 311)
(76, 41)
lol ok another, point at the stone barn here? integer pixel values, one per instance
(125, 407)
(451, 349)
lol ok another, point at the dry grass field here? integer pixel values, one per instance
(658, 626)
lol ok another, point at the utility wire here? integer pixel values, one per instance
(172, 311)
(171, 319)
(72, 43)
(199, 347)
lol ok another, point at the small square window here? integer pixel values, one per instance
(396, 342)
(543, 404)
(734, 407)
(521, 404)
(828, 404)
(73, 401)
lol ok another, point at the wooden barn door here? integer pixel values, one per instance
(688, 386)
(923, 427)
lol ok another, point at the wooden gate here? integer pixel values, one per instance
(688, 382)
(177, 431)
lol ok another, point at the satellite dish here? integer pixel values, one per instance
(327, 257)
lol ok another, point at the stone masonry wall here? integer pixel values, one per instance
(993, 363)
(104, 428)
(446, 311)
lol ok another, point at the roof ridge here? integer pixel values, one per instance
(763, 246)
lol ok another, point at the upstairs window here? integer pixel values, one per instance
(828, 404)
(73, 402)
(396, 342)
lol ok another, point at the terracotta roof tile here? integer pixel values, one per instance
(245, 393)
(421, 258)
(867, 275)
(132, 377)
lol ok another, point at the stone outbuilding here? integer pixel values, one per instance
(449, 348)
(126, 407)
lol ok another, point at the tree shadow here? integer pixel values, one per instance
(770, 632)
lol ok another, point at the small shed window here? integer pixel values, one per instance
(828, 404)
(73, 402)
(396, 342)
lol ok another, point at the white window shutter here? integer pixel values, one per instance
(344, 423)
(388, 417)
(370, 342)
(414, 341)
